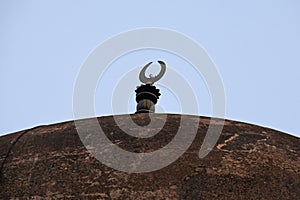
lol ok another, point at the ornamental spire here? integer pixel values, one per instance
(147, 94)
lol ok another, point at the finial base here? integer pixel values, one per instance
(146, 97)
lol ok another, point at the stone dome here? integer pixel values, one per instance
(248, 162)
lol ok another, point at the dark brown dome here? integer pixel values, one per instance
(248, 162)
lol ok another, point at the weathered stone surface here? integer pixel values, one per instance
(248, 162)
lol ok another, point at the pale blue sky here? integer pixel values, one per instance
(254, 44)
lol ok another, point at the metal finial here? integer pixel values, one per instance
(151, 79)
(147, 95)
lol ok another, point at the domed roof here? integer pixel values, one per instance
(248, 162)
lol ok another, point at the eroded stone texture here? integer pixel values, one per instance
(248, 162)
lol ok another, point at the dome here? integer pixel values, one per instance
(248, 162)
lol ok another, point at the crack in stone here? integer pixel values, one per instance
(220, 146)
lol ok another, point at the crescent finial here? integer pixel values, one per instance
(150, 80)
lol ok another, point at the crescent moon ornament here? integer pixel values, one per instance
(151, 79)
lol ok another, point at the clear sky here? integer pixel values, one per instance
(254, 44)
